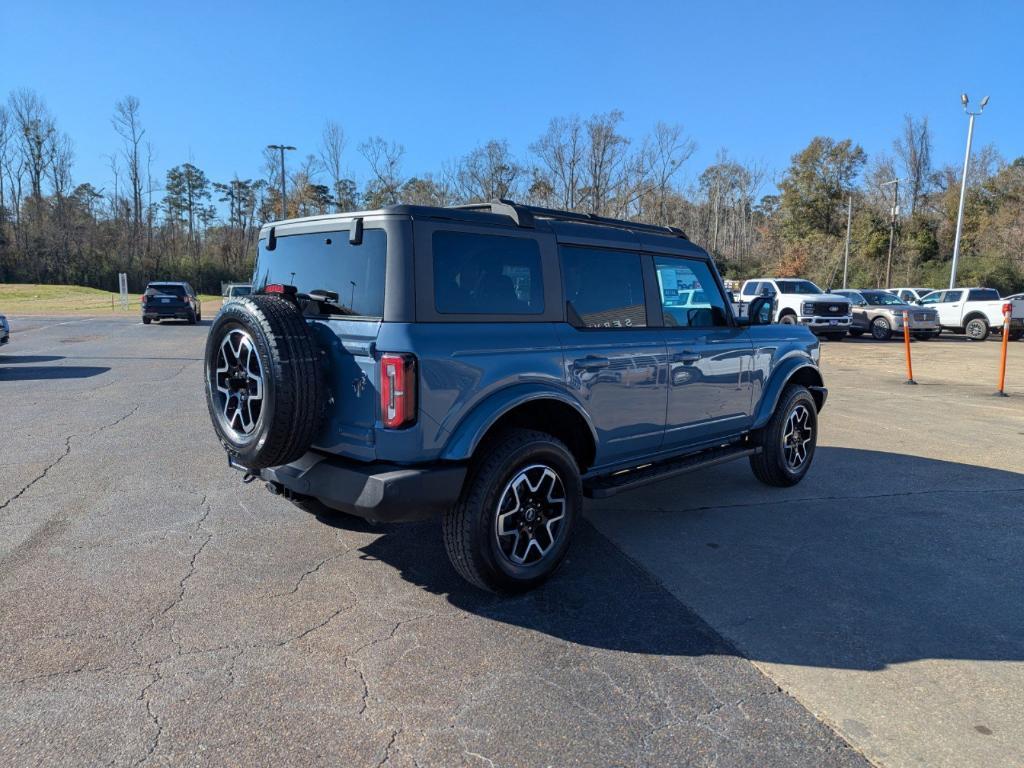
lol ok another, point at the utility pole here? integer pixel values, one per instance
(963, 184)
(281, 148)
(849, 220)
(892, 227)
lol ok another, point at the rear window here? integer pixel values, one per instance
(604, 288)
(326, 261)
(486, 275)
(165, 289)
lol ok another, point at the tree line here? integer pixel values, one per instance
(55, 228)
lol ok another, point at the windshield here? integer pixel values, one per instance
(166, 289)
(882, 299)
(803, 287)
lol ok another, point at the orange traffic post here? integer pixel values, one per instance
(906, 346)
(1001, 392)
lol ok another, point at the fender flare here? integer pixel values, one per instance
(464, 440)
(780, 377)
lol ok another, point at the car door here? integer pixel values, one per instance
(950, 308)
(710, 358)
(614, 360)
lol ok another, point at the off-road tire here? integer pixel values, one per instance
(881, 330)
(469, 526)
(977, 329)
(294, 391)
(770, 465)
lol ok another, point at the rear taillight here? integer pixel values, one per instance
(397, 389)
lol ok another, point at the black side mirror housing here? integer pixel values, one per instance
(758, 312)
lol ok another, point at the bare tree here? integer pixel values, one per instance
(332, 149)
(385, 160)
(35, 128)
(129, 127)
(488, 172)
(914, 149)
(562, 154)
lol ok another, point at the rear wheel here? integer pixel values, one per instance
(146, 320)
(977, 329)
(880, 329)
(512, 526)
(788, 441)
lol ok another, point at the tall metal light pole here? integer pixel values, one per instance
(963, 183)
(281, 148)
(892, 226)
(849, 220)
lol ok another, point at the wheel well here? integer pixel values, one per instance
(787, 311)
(809, 377)
(556, 419)
(976, 316)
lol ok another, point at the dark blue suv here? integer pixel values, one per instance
(493, 364)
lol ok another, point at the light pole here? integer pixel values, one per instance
(849, 220)
(892, 226)
(963, 183)
(281, 148)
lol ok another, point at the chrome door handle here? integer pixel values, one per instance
(593, 363)
(686, 356)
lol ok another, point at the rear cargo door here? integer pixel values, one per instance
(346, 325)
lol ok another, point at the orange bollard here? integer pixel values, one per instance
(1007, 311)
(906, 346)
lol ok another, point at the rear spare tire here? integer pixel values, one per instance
(264, 384)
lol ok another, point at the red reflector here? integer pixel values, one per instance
(397, 389)
(274, 288)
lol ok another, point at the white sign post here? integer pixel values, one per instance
(122, 282)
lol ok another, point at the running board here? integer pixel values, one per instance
(608, 485)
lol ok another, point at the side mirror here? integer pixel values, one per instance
(759, 312)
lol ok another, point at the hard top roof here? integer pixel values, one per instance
(566, 225)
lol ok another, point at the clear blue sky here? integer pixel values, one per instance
(219, 80)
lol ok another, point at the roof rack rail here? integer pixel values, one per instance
(524, 216)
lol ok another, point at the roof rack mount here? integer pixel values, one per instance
(525, 216)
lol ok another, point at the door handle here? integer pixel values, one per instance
(594, 363)
(686, 356)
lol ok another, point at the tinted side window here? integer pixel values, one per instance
(750, 289)
(952, 296)
(605, 289)
(983, 294)
(689, 296)
(326, 261)
(486, 275)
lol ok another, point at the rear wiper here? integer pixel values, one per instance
(328, 300)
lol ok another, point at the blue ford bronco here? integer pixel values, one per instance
(491, 365)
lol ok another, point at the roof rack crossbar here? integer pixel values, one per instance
(524, 216)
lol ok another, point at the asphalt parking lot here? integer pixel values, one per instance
(154, 610)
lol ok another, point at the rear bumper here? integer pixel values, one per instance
(174, 313)
(384, 493)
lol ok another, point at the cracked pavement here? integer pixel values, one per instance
(156, 611)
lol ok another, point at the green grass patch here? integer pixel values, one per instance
(28, 299)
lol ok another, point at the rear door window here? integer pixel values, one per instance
(477, 274)
(327, 262)
(983, 294)
(604, 288)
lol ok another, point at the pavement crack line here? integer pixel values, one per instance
(310, 572)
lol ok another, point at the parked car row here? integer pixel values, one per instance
(976, 312)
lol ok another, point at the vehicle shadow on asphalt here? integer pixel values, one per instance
(876, 559)
(597, 599)
(49, 372)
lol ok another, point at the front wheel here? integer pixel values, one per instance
(880, 329)
(788, 319)
(146, 320)
(788, 441)
(512, 526)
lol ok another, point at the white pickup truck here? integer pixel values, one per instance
(801, 302)
(975, 312)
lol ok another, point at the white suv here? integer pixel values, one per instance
(801, 302)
